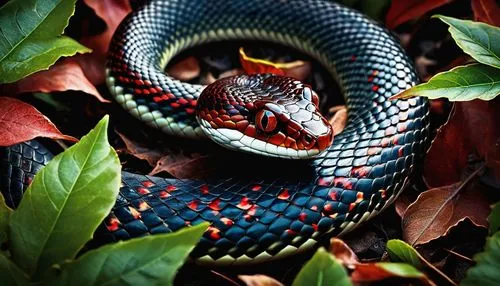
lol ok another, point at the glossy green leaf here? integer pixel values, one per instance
(481, 41)
(485, 272)
(149, 260)
(463, 83)
(65, 203)
(322, 269)
(10, 274)
(401, 270)
(401, 251)
(5, 213)
(494, 218)
(30, 36)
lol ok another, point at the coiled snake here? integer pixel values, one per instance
(364, 170)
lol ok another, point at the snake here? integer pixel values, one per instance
(347, 179)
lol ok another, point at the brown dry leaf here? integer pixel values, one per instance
(487, 11)
(339, 119)
(67, 74)
(140, 151)
(187, 69)
(471, 127)
(259, 280)
(438, 210)
(112, 13)
(184, 166)
(343, 253)
(21, 122)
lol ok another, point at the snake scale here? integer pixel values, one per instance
(256, 220)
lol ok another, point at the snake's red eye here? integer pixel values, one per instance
(266, 121)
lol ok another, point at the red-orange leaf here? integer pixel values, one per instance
(437, 210)
(402, 11)
(487, 11)
(112, 13)
(20, 122)
(65, 75)
(343, 252)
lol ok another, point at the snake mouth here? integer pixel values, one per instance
(235, 140)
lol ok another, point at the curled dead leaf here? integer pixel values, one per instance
(184, 166)
(343, 253)
(471, 128)
(140, 151)
(339, 119)
(65, 75)
(438, 210)
(21, 122)
(259, 280)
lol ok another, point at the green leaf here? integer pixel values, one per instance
(322, 269)
(149, 260)
(399, 250)
(5, 213)
(494, 218)
(30, 36)
(463, 83)
(488, 262)
(65, 203)
(401, 270)
(10, 274)
(481, 41)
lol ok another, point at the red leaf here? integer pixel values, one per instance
(472, 127)
(21, 122)
(140, 151)
(112, 13)
(405, 10)
(438, 210)
(486, 11)
(343, 252)
(65, 75)
(185, 70)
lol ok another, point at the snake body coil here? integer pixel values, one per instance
(365, 169)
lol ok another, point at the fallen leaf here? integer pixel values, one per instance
(339, 119)
(403, 202)
(343, 253)
(184, 166)
(21, 122)
(185, 70)
(112, 12)
(65, 75)
(259, 280)
(402, 11)
(142, 152)
(486, 11)
(471, 128)
(296, 69)
(438, 210)
(372, 272)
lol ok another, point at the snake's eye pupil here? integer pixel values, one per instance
(266, 121)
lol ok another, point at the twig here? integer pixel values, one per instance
(225, 277)
(459, 255)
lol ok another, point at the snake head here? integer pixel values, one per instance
(264, 114)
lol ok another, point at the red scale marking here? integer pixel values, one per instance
(227, 221)
(148, 184)
(143, 191)
(385, 142)
(401, 127)
(171, 188)
(360, 172)
(113, 224)
(333, 195)
(302, 217)
(252, 210)
(193, 205)
(143, 206)
(382, 194)
(325, 182)
(352, 206)
(375, 87)
(314, 226)
(291, 232)
(175, 105)
(136, 214)
(215, 205)
(204, 189)
(248, 217)
(284, 195)
(164, 195)
(401, 152)
(343, 183)
(256, 188)
(328, 208)
(214, 233)
(390, 131)
(314, 208)
(244, 204)
(359, 197)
